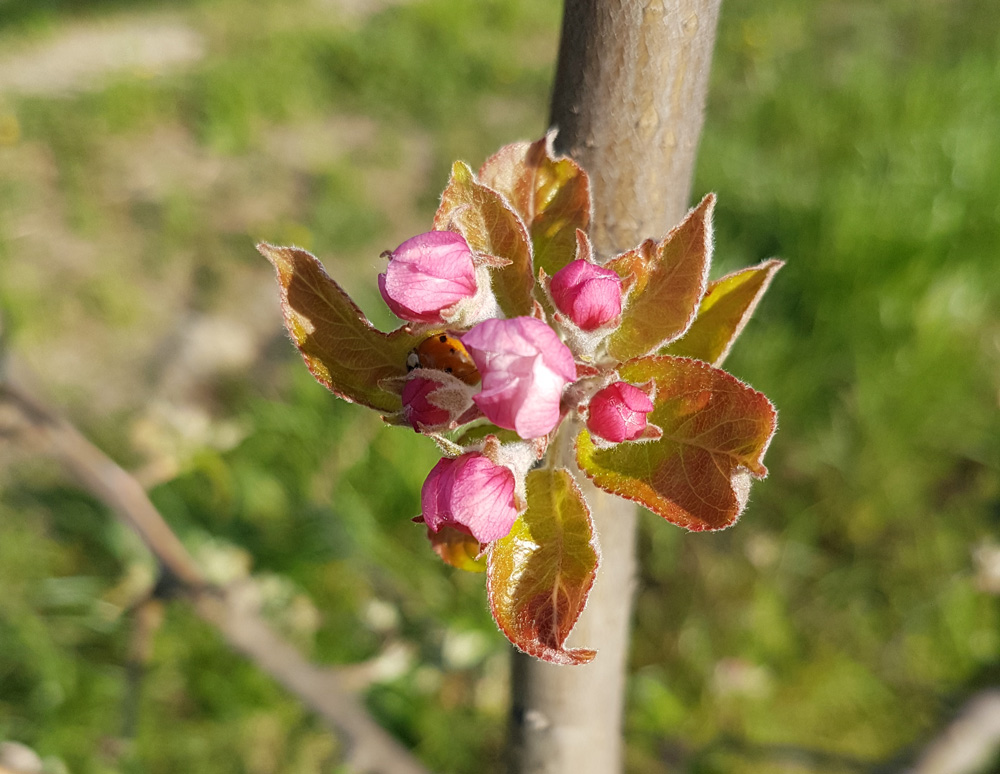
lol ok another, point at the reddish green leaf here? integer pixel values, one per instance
(491, 227)
(715, 432)
(341, 348)
(551, 195)
(458, 548)
(727, 305)
(665, 281)
(539, 576)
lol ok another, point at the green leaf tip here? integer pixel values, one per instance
(725, 309)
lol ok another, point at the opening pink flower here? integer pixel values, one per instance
(588, 294)
(470, 493)
(428, 274)
(618, 412)
(524, 367)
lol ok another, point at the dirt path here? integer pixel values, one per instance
(82, 56)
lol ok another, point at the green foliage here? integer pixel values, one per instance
(841, 138)
(842, 617)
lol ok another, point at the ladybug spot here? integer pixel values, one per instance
(443, 338)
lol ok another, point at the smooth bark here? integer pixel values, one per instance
(628, 102)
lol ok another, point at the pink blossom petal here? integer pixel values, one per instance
(427, 274)
(417, 407)
(470, 493)
(618, 412)
(524, 367)
(430, 495)
(483, 498)
(588, 294)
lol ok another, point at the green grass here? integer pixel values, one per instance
(841, 618)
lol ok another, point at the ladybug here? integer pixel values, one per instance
(443, 352)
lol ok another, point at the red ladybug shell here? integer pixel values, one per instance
(443, 352)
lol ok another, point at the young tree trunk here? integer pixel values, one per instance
(628, 102)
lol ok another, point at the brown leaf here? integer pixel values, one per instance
(345, 353)
(492, 227)
(552, 196)
(458, 548)
(665, 281)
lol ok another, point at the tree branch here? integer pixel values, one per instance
(233, 611)
(628, 102)
(969, 743)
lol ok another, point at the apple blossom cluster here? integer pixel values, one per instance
(526, 378)
(529, 362)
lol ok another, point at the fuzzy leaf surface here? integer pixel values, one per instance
(345, 353)
(715, 432)
(492, 227)
(552, 196)
(725, 309)
(539, 576)
(665, 280)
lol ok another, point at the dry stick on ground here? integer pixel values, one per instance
(628, 103)
(233, 611)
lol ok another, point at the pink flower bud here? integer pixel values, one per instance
(524, 367)
(589, 295)
(618, 412)
(472, 494)
(417, 407)
(427, 274)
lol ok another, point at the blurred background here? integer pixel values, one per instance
(146, 144)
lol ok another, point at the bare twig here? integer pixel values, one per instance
(106, 480)
(967, 745)
(233, 611)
